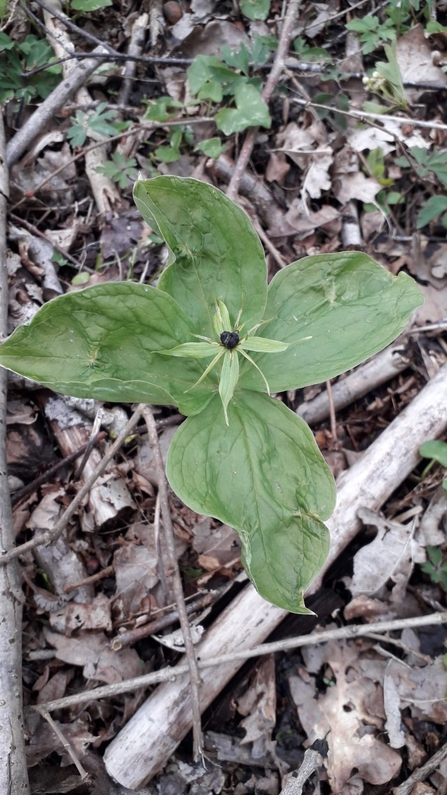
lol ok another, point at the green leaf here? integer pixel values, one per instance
(167, 154)
(265, 476)
(210, 78)
(214, 250)
(435, 450)
(193, 350)
(430, 210)
(99, 120)
(212, 147)
(5, 42)
(162, 109)
(90, 5)
(228, 380)
(255, 9)
(238, 59)
(251, 111)
(263, 345)
(105, 342)
(351, 306)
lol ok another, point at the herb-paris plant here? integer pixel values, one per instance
(214, 340)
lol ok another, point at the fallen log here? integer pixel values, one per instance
(145, 744)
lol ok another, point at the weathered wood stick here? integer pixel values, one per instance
(144, 746)
(380, 369)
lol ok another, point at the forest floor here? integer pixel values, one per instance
(349, 153)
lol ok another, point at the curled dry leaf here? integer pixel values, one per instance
(346, 715)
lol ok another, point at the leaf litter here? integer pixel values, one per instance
(380, 706)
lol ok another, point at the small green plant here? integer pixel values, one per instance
(372, 32)
(308, 53)
(89, 5)
(435, 566)
(431, 209)
(240, 456)
(429, 166)
(255, 9)
(120, 169)
(98, 121)
(386, 81)
(436, 451)
(214, 79)
(18, 58)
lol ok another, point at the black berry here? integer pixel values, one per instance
(230, 339)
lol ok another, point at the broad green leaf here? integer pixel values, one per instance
(436, 450)
(90, 5)
(263, 345)
(264, 476)
(251, 111)
(212, 147)
(350, 306)
(255, 9)
(208, 74)
(430, 210)
(214, 250)
(193, 350)
(228, 380)
(104, 343)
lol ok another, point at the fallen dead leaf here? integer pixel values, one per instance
(91, 651)
(357, 186)
(346, 714)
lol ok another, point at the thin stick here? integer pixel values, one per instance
(131, 636)
(131, 131)
(13, 769)
(30, 487)
(71, 586)
(171, 673)
(66, 744)
(421, 773)
(52, 535)
(296, 781)
(177, 583)
(363, 116)
(278, 66)
(43, 116)
(332, 417)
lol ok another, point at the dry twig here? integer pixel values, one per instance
(421, 773)
(13, 771)
(49, 536)
(171, 673)
(42, 118)
(177, 583)
(278, 66)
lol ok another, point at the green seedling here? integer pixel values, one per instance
(372, 33)
(120, 169)
(18, 58)
(215, 340)
(435, 566)
(99, 121)
(436, 451)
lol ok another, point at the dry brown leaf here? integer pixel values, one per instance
(74, 616)
(306, 222)
(357, 186)
(392, 550)
(346, 714)
(258, 704)
(216, 546)
(277, 168)
(91, 650)
(422, 689)
(414, 58)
